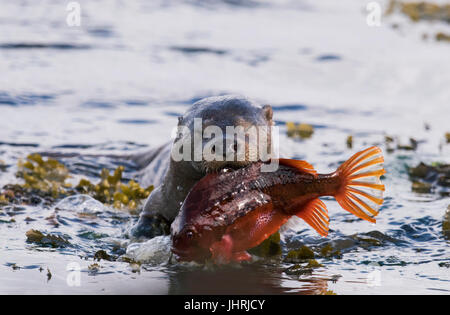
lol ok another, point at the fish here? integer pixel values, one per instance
(229, 212)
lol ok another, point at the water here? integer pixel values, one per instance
(117, 83)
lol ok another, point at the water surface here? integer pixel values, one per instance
(117, 83)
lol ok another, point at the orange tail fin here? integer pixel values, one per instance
(362, 190)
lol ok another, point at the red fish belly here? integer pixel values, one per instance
(253, 228)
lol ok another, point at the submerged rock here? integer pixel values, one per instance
(426, 177)
(412, 146)
(334, 249)
(421, 187)
(394, 143)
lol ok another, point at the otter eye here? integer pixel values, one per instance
(189, 234)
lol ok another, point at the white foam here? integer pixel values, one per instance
(83, 204)
(155, 251)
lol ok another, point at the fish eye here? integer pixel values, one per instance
(189, 234)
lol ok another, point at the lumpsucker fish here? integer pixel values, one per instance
(227, 213)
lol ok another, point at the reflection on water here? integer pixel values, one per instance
(115, 85)
(247, 279)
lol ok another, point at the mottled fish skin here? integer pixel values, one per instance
(213, 204)
(219, 199)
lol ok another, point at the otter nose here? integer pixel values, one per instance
(234, 148)
(229, 148)
(226, 148)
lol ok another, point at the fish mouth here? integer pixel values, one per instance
(189, 254)
(179, 252)
(183, 254)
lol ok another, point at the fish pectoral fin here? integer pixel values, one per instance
(222, 251)
(315, 213)
(300, 165)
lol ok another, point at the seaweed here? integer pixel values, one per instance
(45, 181)
(16, 194)
(312, 263)
(3, 166)
(101, 254)
(270, 247)
(305, 253)
(349, 141)
(93, 269)
(306, 269)
(302, 130)
(298, 270)
(43, 177)
(422, 10)
(442, 37)
(110, 190)
(47, 240)
(3, 199)
(299, 255)
(328, 251)
(446, 224)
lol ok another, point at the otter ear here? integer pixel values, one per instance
(268, 112)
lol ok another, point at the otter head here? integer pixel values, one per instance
(223, 132)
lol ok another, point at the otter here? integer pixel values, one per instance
(173, 179)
